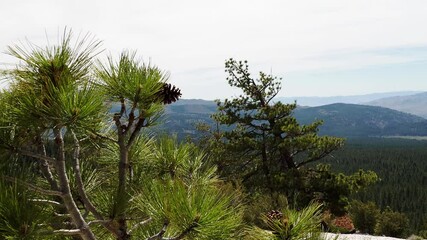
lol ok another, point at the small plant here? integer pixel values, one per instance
(392, 224)
(290, 224)
(423, 234)
(415, 237)
(364, 216)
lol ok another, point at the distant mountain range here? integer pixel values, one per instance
(345, 120)
(352, 120)
(414, 104)
(355, 99)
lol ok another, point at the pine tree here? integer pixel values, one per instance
(85, 171)
(272, 141)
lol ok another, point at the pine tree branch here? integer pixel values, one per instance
(313, 159)
(138, 127)
(45, 166)
(131, 117)
(62, 215)
(184, 233)
(32, 186)
(123, 106)
(81, 189)
(142, 223)
(68, 232)
(159, 235)
(102, 137)
(99, 222)
(80, 185)
(64, 182)
(35, 155)
(46, 201)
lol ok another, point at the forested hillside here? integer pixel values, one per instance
(345, 120)
(400, 164)
(352, 120)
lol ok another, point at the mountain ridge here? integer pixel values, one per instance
(355, 120)
(340, 119)
(414, 104)
(314, 101)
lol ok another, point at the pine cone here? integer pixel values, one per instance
(274, 215)
(169, 93)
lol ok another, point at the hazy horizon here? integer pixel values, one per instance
(392, 93)
(319, 48)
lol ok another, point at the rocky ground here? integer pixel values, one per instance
(331, 236)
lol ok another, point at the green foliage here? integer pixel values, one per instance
(400, 164)
(134, 84)
(364, 216)
(258, 204)
(391, 223)
(335, 189)
(260, 123)
(290, 224)
(181, 191)
(265, 142)
(415, 237)
(55, 117)
(130, 79)
(423, 234)
(20, 216)
(198, 213)
(52, 86)
(265, 147)
(423, 231)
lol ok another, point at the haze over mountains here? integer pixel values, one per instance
(415, 104)
(340, 119)
(352, 120)
(353, 99)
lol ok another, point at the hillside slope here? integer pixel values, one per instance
(346, 120)
(352, 120)
(414, 104)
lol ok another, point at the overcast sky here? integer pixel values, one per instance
(320, 48)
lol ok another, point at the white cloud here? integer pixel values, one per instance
(187, 35)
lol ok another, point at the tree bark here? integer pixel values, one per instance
(45, 168)
(82, 191)
(64, 185)
(122, 189)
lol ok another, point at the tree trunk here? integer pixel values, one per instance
(122, 189)
(64, 186)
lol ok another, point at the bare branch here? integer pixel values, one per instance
(99, 222)
(35, 155)
(122, 107)
(46, 201)
(47, 173)
(32, 186)
(313, 159)
(62, 215)
(160, 234)
(81, 189)
(131, 117)
(68, 232)
(184, 233)
(77, 173)
(135, 132)
(140, 224)
(102, 137)
(64, 182)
